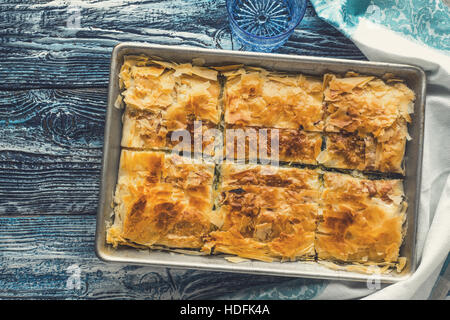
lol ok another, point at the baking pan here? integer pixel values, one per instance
(415, 79)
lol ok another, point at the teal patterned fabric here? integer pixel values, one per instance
(424, 21)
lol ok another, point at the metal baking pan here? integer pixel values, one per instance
(415, 79)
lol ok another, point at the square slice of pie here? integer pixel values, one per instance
(362, 220)
(258, 98)
(266, 213)
(376, 111)
(163, 99)
(161, 200)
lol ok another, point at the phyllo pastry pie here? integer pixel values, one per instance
(272, 192)
(362, 220)
(161, 200)
(249, 143)
(374, 110)
(162, 98)
(364, 153)
(255, 97)
(266, 213)
(344, 151)
(146, 130)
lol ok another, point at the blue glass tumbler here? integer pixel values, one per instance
(264, 25)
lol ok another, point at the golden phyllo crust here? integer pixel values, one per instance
(295, 146)
(255, 97)
(148, 130)
(375, 110)
(362, 220)
(163, 97)
(344, 151)
(365, 153)
(258, 211)
(161, 200)
(266, 213)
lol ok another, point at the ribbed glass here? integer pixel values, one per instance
(264, 25)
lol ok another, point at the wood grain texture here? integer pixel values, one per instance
(42, 46)
(36, 252)
(50, 150)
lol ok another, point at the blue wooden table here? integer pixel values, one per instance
(54, 64)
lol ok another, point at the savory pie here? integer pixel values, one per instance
(362, 220)
(377, 111)
(301, 210)
(162, 98)
(266, 212)
(161, 200)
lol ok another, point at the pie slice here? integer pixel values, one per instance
(161, 200)
(254, 97)
(362, 220)
(286, 145)
(165, 100)
(377, 112)
(266, 213)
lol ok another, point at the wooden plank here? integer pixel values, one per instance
(42, 46)
(53, 121)
(36, 254)
(50, 150)
(32, 184)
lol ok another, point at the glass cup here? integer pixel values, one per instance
(264, 25)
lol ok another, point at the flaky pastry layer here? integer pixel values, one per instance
(161, 200)
(179, 92)
(255, 97)
(287, 145)
(362, 220)
(259, 211)
(266, 213)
